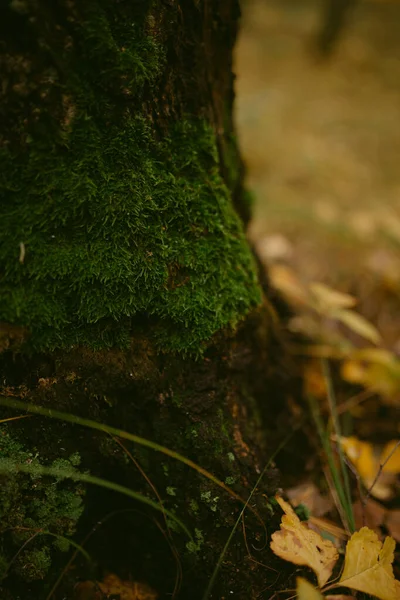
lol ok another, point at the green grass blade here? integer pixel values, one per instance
(61, 416)
(326, 445)
(348, 507)
(228, 541)
(7, 466)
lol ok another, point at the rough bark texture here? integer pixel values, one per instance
(128, 293)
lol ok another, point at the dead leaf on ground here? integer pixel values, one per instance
(368, 566)
(329, 299)
(372, 515)
(306, 591)
(287, 282)
(375, 369)
(357, 324)
(369, 459)
(375, 516)
(392, 523)
(325, 526)
(298, 544)
(113, 586)
(308, 494)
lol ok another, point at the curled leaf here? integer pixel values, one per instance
(298, 544)
(368, 566)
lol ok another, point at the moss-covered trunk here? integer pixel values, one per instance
(128, 295)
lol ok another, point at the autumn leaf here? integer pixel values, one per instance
(368, 461)
(376, 369)
(390, 457)
(286, 281)
(329, 298)
(298, 544)
(368, 566)
(306, 591)
(357, 324)
(113, 586)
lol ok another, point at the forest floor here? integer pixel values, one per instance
(321, 141)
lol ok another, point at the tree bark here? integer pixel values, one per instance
(128, 292)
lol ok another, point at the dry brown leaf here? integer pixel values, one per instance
(306, 591)
(113, 586)
(286, 281)
(368, 566)
(372, 515)
(320, 525)
(308, 493)
(375, 516)
(393, 523)
(298, 544)
(328, 298)
(358, 325)
(379, 372)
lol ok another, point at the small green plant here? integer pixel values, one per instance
(195, 545)
(212, 502)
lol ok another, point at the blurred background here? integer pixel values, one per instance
(320, 135)
(318, 120)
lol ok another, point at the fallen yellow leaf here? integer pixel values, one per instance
(357, 324)
(328, 298)
(306, 591)
(298, 544)
(375, 369)
(368, 461)
(368, 566)
(363, 457)
(390, 457)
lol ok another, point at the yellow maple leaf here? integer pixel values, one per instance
(298, 544)
(368, 565)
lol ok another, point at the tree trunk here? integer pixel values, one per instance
(130, 296)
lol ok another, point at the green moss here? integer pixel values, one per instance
(121, 225)
(33, 503)
(117, 222)
(33, 564)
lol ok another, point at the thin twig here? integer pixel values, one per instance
(381, 467)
